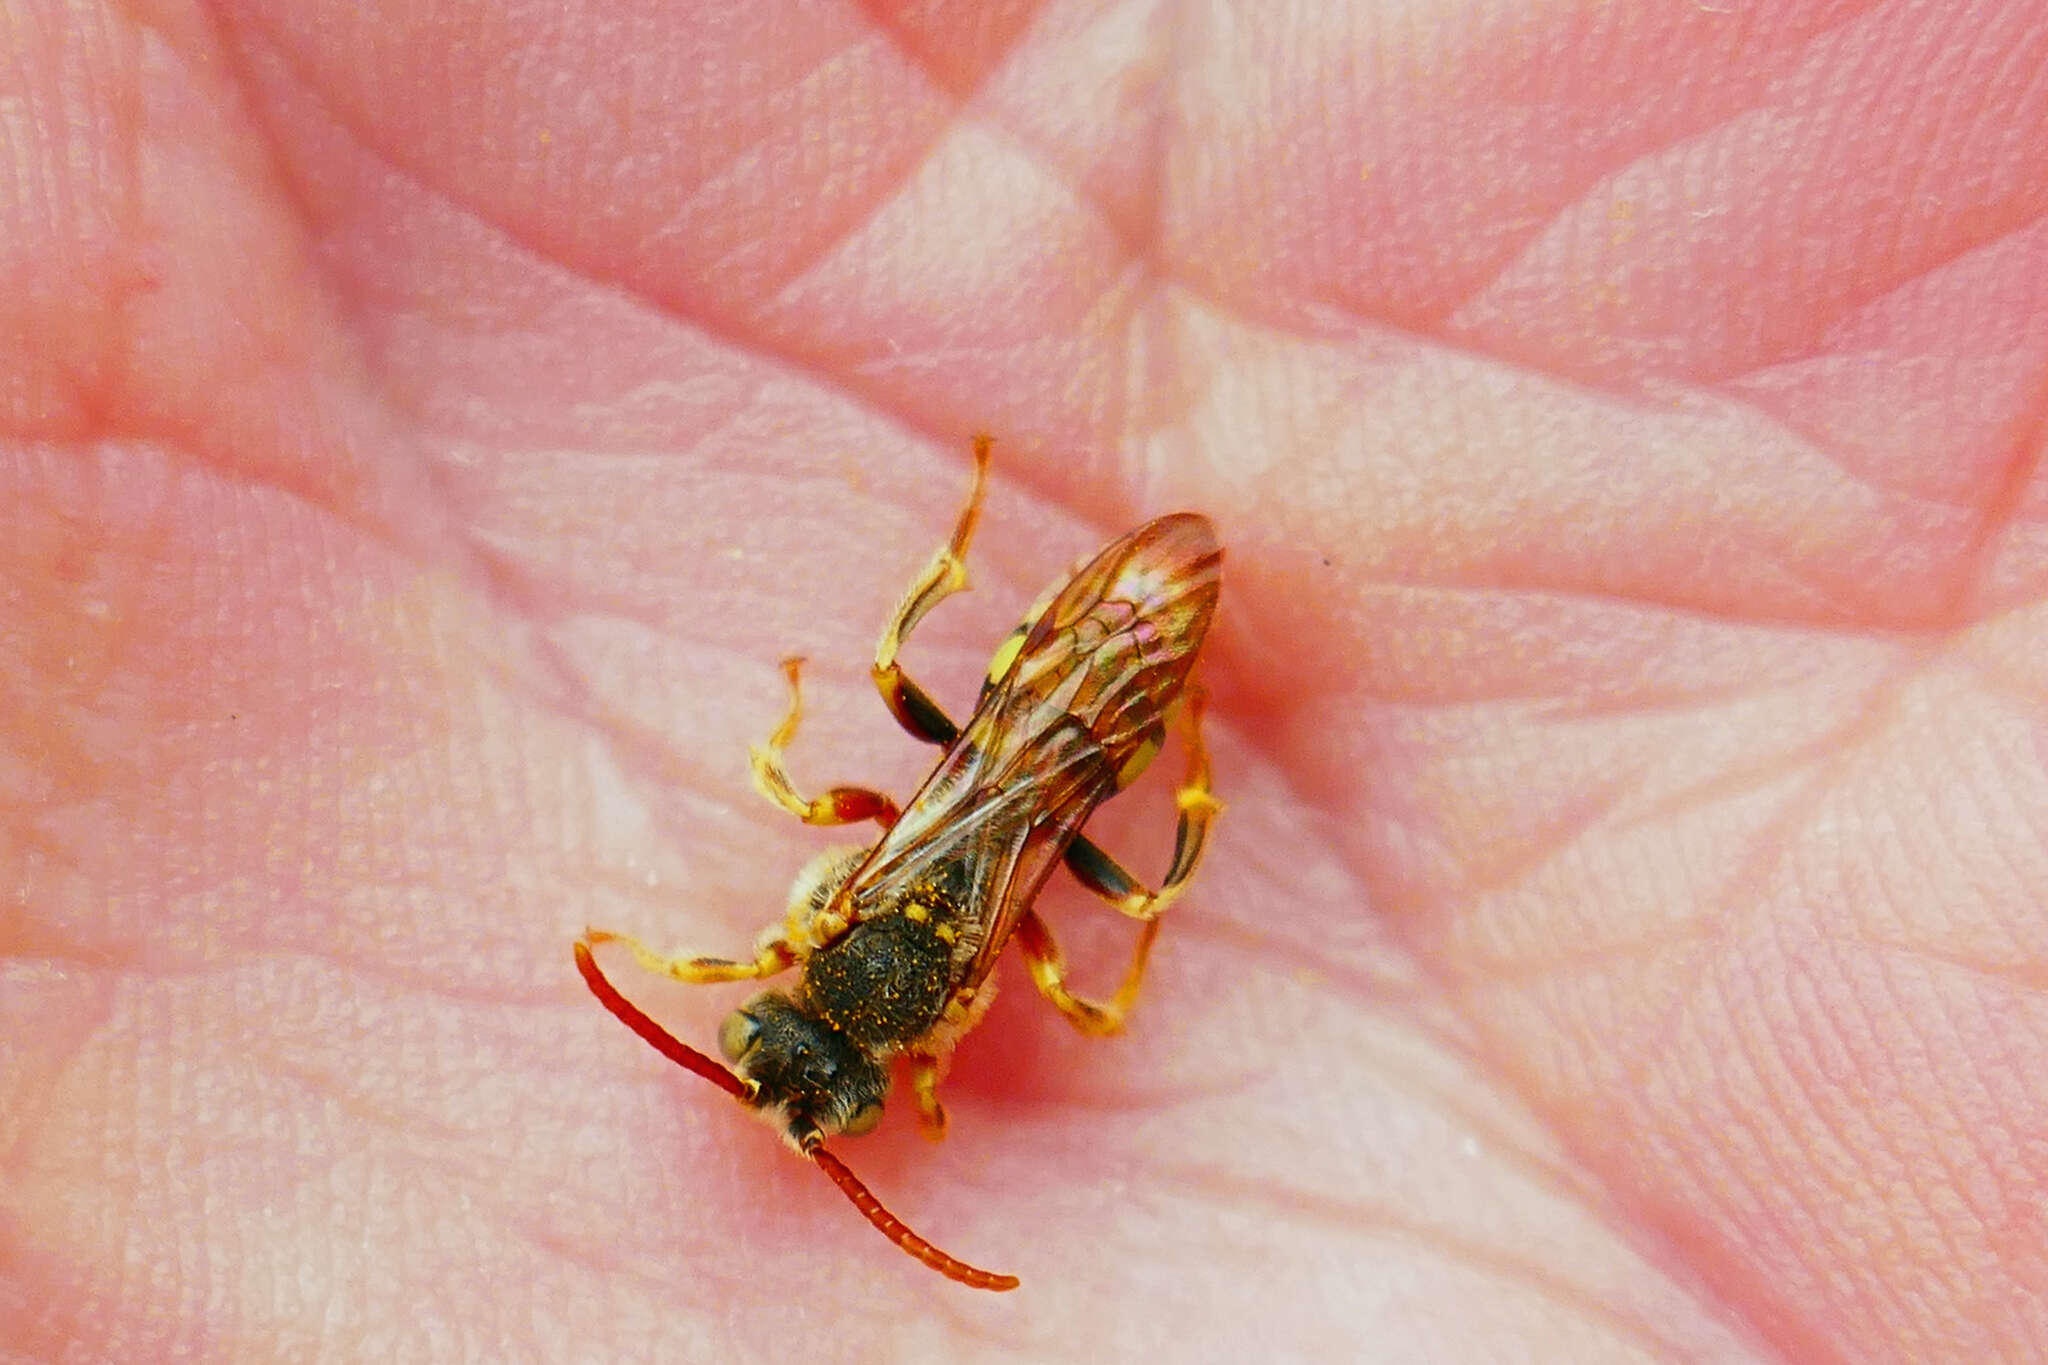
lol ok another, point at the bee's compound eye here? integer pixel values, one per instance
(737, 1034)
(863, 1119)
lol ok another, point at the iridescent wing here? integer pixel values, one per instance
(1074, 707)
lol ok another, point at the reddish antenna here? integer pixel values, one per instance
(687, 1057)
(894, 1228)
(653, 1034)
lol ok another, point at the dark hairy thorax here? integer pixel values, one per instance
(884, 982)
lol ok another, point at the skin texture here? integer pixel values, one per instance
(423, 429)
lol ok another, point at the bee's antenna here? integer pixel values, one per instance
(653, 1034)
(894, 1228)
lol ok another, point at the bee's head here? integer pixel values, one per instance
(805, 1072)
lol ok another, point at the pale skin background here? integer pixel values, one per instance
(425, 428)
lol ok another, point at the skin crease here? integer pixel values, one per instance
(426, 428)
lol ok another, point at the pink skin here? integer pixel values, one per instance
(423, 436)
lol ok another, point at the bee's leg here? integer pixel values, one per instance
(930, 1055)
(1102, 874)
(774, 955)
(1049, 973)
(839, 806)
(925, 1070)
(912, 706)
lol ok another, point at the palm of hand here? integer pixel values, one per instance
(1620, 941)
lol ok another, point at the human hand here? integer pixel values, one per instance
(427, 430)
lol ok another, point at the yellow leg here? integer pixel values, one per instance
(1103, 875)
(1049, 973)
(914, 710)
(775, 956)
(924, 1086)
(839, 806)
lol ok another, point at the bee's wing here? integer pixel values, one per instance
(1074, 704)
(1113, 644)
(989, 827)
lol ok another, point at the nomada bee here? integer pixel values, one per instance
(894, 942)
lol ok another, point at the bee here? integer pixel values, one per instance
(894, 942)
